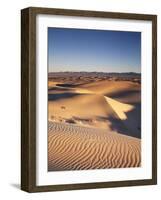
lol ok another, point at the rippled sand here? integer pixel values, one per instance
(72, 147)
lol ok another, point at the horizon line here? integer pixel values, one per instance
(92, 72)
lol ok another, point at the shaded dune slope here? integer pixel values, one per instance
(123, 91)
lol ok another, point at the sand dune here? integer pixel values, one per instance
(124, 91)
(92, 111)
(84, 96)
(85, 107)
(73, 147)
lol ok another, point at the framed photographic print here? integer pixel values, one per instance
(88, 99)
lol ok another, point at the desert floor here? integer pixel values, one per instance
(93, 123)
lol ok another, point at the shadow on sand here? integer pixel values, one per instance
(125, 94)
(131, 126)
(66, 95)
(65, 85)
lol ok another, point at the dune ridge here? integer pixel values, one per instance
(73, 147)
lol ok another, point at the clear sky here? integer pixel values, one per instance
(93, 50)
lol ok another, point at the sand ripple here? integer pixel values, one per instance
(73, 147)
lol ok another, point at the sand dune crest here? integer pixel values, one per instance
(119, 108)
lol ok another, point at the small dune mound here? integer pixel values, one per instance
(52, 83)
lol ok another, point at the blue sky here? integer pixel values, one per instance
(93, 50)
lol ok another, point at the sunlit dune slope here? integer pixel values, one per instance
(86, 109)
(73, 147)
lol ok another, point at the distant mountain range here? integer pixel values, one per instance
(93, 74)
